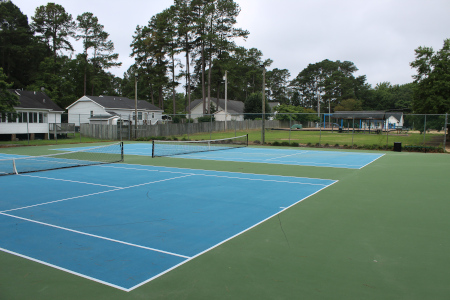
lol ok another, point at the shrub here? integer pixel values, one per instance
(276, 143)
(256, 142)
(284, 143)
(294, 144)
(206, 119)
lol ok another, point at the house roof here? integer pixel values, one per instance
(116, 102)
(397, 115)
(35, 100)
(374, 115)
(233, 106)
(102, 117)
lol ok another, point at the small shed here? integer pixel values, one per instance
(361, 119)
(104, 120)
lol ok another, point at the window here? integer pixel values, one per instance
(153, 115)
(35, 117)
(139, 115)
(92, 113)
(25, 117)
(12, 118)
(41, 118)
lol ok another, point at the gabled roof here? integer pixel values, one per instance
(233, 106)
(397, 115)
(363, 115)
(371, 114)
(116, 102)
(35, 100)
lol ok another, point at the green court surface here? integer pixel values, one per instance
(380, 232)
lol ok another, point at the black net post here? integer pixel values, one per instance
(153, 148)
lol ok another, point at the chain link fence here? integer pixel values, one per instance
(370, 130)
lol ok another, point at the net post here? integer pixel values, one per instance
(121, 151)
(247, 139)
(153, 148)
(14, 167)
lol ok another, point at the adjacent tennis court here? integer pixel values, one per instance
(124, 225)
(334, 159)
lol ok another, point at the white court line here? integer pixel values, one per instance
(275, 163)
(65, 270)
(228, 172)
(61, 200)
(74, 181)
(372, 161)
(97, 236)
(265, 180)
(103, 192)
(233, 177)
(278, 157)
(226, 240)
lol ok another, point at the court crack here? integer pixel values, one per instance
(281, 226)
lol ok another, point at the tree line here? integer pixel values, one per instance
(188, 47)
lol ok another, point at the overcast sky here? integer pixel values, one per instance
(378, 36)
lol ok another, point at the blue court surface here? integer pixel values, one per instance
(316, 158)
(123, 225)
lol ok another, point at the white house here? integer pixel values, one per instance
(394, 120)
(234, 109)
(112, 109)
(35, 115)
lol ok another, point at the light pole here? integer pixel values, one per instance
(135, 105)
(226, 88)
(263, 105)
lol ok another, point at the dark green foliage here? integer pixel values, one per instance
(429, 149)
(253, 107)
(206, 119)
(7, 99)
(432, 89)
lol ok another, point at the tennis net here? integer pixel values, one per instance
(90, 156)
(170, 148)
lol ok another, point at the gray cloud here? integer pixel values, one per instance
(379, 36)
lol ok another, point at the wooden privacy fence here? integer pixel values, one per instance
(120, 132)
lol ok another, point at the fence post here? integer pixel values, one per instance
(353, 131)
(320, 132)
(424, 128)
(28, 129)
(445, 133)
(79, 125)
(56, 138)
(387, 134)
(289, 128)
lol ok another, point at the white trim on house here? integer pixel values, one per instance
(33, 115)
(82, 110)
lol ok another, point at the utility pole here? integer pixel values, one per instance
(263, 106)
(135, 105)
(226, 90)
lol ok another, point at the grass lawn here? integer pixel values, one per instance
(326, 137)
(70, 139)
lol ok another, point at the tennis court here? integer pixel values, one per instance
(184, 228)
(124, 225)
(333, 159)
